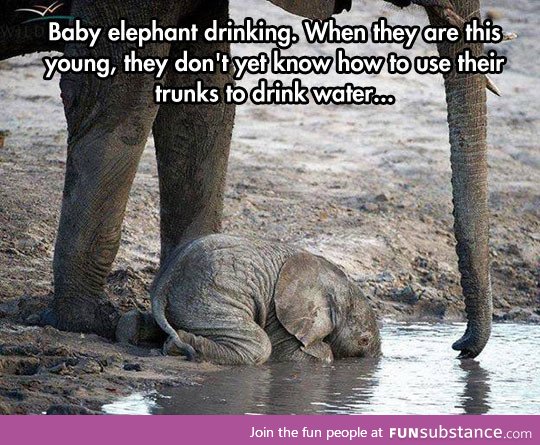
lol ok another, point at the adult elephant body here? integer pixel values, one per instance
(109, 121)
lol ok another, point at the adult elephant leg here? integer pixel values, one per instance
(108, 124)
(192, 146)
(466, 99)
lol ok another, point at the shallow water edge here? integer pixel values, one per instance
(418, 374)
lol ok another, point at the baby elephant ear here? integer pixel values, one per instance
(303, 302)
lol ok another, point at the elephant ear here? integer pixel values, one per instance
(304, 301)
(314, 9)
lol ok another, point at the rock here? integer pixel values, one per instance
(9, 308)
(15, 394)
(111, 360)
(28, 306)
(3, 135)
(33, 319)
(432, 309)
(381, 198)
(19, 365)
(516, 315)
(421, 262)
(431, 305)
(407, 295)
(386, 277)
(10, 251)
(4, 409)
(370, 207)
(59, 351)
(132, 367)
(27, 245)
(88, 366)
(513, 249)
(68, 410)
(60, 369)
(520, 314)
(24, 350)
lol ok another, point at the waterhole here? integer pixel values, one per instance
(418, 374)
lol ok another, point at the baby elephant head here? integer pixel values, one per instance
(320, 306)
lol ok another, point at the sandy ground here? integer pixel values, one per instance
(367, 186)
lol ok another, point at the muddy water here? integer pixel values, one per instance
(418, 374)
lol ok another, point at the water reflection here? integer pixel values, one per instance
(281, 388)
(475, 397)
(418, 374)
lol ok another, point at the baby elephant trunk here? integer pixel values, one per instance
(357, 333)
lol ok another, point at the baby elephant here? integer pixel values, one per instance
(235, 301)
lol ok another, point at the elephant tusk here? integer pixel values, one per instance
(450, 16)
(453, 18)
(490, 85)
(508, 36)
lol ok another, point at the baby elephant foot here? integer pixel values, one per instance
(137, 327)
(92, 315)
(175, 346)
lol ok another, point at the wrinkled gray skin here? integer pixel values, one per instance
(237, 301)
(109, 122)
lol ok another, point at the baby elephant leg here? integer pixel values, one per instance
(248, 345)
(137, 328)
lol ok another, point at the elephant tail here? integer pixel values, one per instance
(158, 310)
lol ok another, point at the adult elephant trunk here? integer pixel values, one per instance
(466, 101)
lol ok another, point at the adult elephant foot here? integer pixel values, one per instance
(97, 315)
